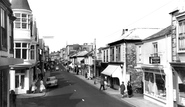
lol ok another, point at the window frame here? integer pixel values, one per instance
(21, 50)
(118, 53)
(155, 48)
(32, 50)
(26, 20)
(181, 35)
(3, 30)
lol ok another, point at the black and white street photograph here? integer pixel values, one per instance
(92, 53)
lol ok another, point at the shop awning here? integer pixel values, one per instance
(151, 68)
(109, 70)
(112, 70)
(117, 72)
(178, 66)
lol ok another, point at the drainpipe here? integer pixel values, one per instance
(124, 66)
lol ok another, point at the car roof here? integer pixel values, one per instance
(52, 77)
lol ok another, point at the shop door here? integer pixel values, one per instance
(19, 81)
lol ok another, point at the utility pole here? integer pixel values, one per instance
(95, 58)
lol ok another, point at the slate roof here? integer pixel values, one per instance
(161, 33)
(20, 4)
(89, 53)
(137, 34)
(81, 53)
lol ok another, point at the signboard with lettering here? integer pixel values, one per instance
(154, 60)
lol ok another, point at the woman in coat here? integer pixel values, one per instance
(129, 89)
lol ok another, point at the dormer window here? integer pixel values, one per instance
(22, 21)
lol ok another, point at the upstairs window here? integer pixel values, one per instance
(112, 54)
(21, 50)
(22, 21)
(139, 53)
(104, 56)
(107, 56)
(181, 38)
(32, 52)
(118, 53)
(3, 30)
(155, 47)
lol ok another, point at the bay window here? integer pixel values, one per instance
(21, 50)
(22, 21)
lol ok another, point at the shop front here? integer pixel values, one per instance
(154, 82)
(5, 79)
(23, 77)
(113, 75)
(179, 84)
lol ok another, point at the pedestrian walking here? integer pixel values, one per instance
(129, 89)
(102, 85)
(122, 89)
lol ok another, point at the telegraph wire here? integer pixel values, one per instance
(141, 18)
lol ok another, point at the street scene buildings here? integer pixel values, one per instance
(151, 59)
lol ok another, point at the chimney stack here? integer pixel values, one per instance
(124, 31)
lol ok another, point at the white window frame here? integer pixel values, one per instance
(21, 48)
(181, 36)
(20, 21)
(155, 47)
(32, 50)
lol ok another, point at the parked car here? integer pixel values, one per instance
(51, 82)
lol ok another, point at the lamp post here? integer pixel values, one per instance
(95, 58)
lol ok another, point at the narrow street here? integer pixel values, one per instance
(72, 92)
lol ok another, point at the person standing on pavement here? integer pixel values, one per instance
(122, 89)
(12, 98)
(102, 85)
(129, 89)
(42, 87)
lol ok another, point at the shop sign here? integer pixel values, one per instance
(154, 60)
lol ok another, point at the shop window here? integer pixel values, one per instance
(155, 85)
(149, 83)
(160, 83)
(181, 85)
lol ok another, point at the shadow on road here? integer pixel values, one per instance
(63, 100)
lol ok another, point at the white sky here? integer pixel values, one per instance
(81, 21)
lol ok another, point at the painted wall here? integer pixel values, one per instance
(164, 52)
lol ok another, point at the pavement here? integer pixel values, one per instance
(136, 100)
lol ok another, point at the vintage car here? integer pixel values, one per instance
(51, 82)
